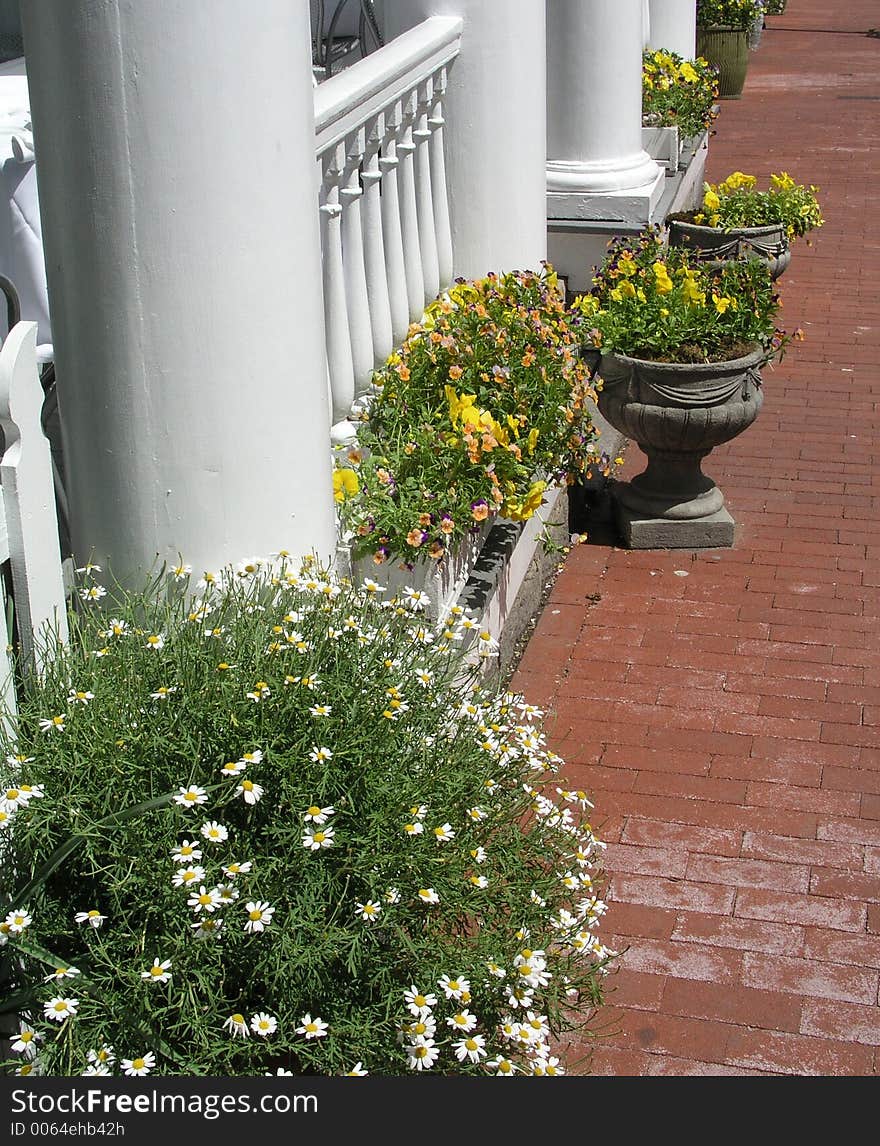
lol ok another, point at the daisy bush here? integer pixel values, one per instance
(678, 93)
(483, 406)
(274, 822)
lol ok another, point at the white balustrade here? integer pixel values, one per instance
(385, 233)
(29, 533)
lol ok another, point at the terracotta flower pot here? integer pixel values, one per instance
(728, 50)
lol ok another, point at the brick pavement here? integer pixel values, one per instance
(722, 705)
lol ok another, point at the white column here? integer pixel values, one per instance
(176, 158)
(674, 27)
(596, 166)
(494, 111)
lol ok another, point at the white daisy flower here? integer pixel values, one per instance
(155, 641)
(392, 895)
(259, 692)
(89, 568)
(462, 1021)
(25, 1042)
(443, 833)
(96, 1070)
(502, 1066)
(319, 755)
(415, 828)
(472, 1048)
(104, 1056)
(318, 838)
(233, 768)
(422, 1055)
(259, 916)
(191, 797)
(204, 900)
(207, 927)
(233, 869)
(320, 710)
(453, 988)
(137, 1067)
(216, 833)
(79, 697)
(249, 791)
(263, 1024)
(418, 1004)
(547, 1065)
(318, 815)
(116, 628)
(188, 876)
(254, 757)
(179, 572)
(428, 895)
(357, 1071)
(53, 723)
(479, 881)
(368, 911)
(62, 973)
(94, 918)
(312, 1028)
(237, 1025)
(93, 593)
(160, 972)
(59, 1008)
(18, 921)
(186, 852)
(163, 692)
(6, 817)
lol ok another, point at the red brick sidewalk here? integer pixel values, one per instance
(722, 705)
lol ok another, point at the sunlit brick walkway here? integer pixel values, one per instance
(723, 705)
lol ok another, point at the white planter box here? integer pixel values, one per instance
(663, 144)
(443, 583)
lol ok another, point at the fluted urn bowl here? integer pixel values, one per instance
(715, 245)
(677, 413)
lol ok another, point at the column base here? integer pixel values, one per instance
(633, 205)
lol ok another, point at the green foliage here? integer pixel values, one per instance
(728, 13)
(286, 803)
(649, 301)
(738, 202)
(483, 405)
(678, 93)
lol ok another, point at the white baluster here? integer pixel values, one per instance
(374, 247)
(424, 199)
(359, 325)
(338, 341)
(442, 225)
(409, 219)
(395, 269)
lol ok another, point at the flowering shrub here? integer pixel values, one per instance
(678, 93)
(483, 406)
(738, 202)
(728, 13)
(649, 301)
(280, 829)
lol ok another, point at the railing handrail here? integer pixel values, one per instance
(348, 100)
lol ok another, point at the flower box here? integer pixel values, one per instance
(664, 145)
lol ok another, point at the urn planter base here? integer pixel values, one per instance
(638, 532)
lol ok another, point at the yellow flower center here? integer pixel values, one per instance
(255, 915)
(156, 971)
(138, 1064)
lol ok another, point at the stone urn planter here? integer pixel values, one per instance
(715, 245)
(677, 413)
(728, 50)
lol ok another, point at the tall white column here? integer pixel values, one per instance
(596, 165)
(495, 135)
(176, 157)
(673, 26)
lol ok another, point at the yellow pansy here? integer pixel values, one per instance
(688, 73)
(345, 484)
(626, 266)
(662, 281)
(711, 201)
(723, 303)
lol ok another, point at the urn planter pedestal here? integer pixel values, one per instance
(677, 413)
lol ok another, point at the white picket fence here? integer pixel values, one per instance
(385, 232)
(29, 547)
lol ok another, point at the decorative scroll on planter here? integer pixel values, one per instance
(715, 245)
(677, 413)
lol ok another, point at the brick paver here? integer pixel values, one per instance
(722, 705)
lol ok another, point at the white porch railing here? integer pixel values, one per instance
(28, 519)
(385, 233)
